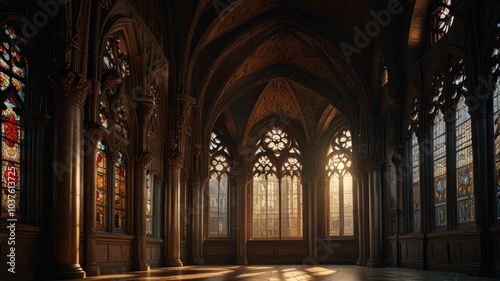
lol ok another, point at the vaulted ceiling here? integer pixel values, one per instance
(247, 60)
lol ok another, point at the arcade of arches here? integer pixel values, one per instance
(140, 134)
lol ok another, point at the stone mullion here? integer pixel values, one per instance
(70, 92)
(197, 230)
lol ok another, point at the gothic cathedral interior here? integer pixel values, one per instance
(142, 134)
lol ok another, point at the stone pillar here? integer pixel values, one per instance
(139, 254)
(242, 181)
(93, 134)
(144, 112)
(311, 181)
(173, 203)
(40, 120)
(70, 92)
(483, 205)
(197, 224)
(363, 231)
(179, 124)
(374, 166)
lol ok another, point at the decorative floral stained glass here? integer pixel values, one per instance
(120, 192)
(121, 121)
(115, 55)
(101, 185)
(219, 188)
(12, 137)
(442, 19)
(277, 190)
(341, 205)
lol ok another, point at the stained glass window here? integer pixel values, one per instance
(121, 121)
(149, 204)
(277, 189)
(120, 192)
(218, 188)
(495, 70)
(12, 137)
(13, 66)
(415, 153)
(442, 19)
(115, 55)
(13, 73)
(341, 210)
(439, 151)
(463, 142)
(101, 188)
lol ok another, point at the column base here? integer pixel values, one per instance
(242, 261)
(144, 266)
(173, 263)
(375, 263)
(92, 270)
(361, 262)
(67, 271)
(198, 261)
(310, 261)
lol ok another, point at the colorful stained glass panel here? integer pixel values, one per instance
(496, 130)
(120, 193)
(439, 156)
(101, 188)
(416, 182)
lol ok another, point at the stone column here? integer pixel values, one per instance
(40, 120)
(173, 235)
(242, 183)
(484, 206)
(363, 231)
(93, 134)
(197, 224)
(374, 166)
(179, 124)
(311, 181)
(144, 112)
(70, 92)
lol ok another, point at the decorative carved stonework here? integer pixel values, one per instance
(242, 180)
(176, 159)
(93, 133)
(146, 107)
(40, 120)
(144, 158)
(111, 79)
(70, 85)
(374, 162)
(395, 96)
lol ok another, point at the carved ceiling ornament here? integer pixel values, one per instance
(282, 48)
(277, 98)
(231, 15)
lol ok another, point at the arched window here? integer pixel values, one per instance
(495, 71)
(340, 184)
(442, 19)
(277, 188)
(111, 181)
(219, 188)
(101, 188)
(415, 163)
(463, 143)
(13, 69)
(149, 203)
(120, 192)
(439, 150)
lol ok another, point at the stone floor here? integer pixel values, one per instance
(288, 273)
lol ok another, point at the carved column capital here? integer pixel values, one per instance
(70, 85)
(144, 158)
(176, 160)
(93, 133)
(374, 162)
(311, 178)
(146, 109)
